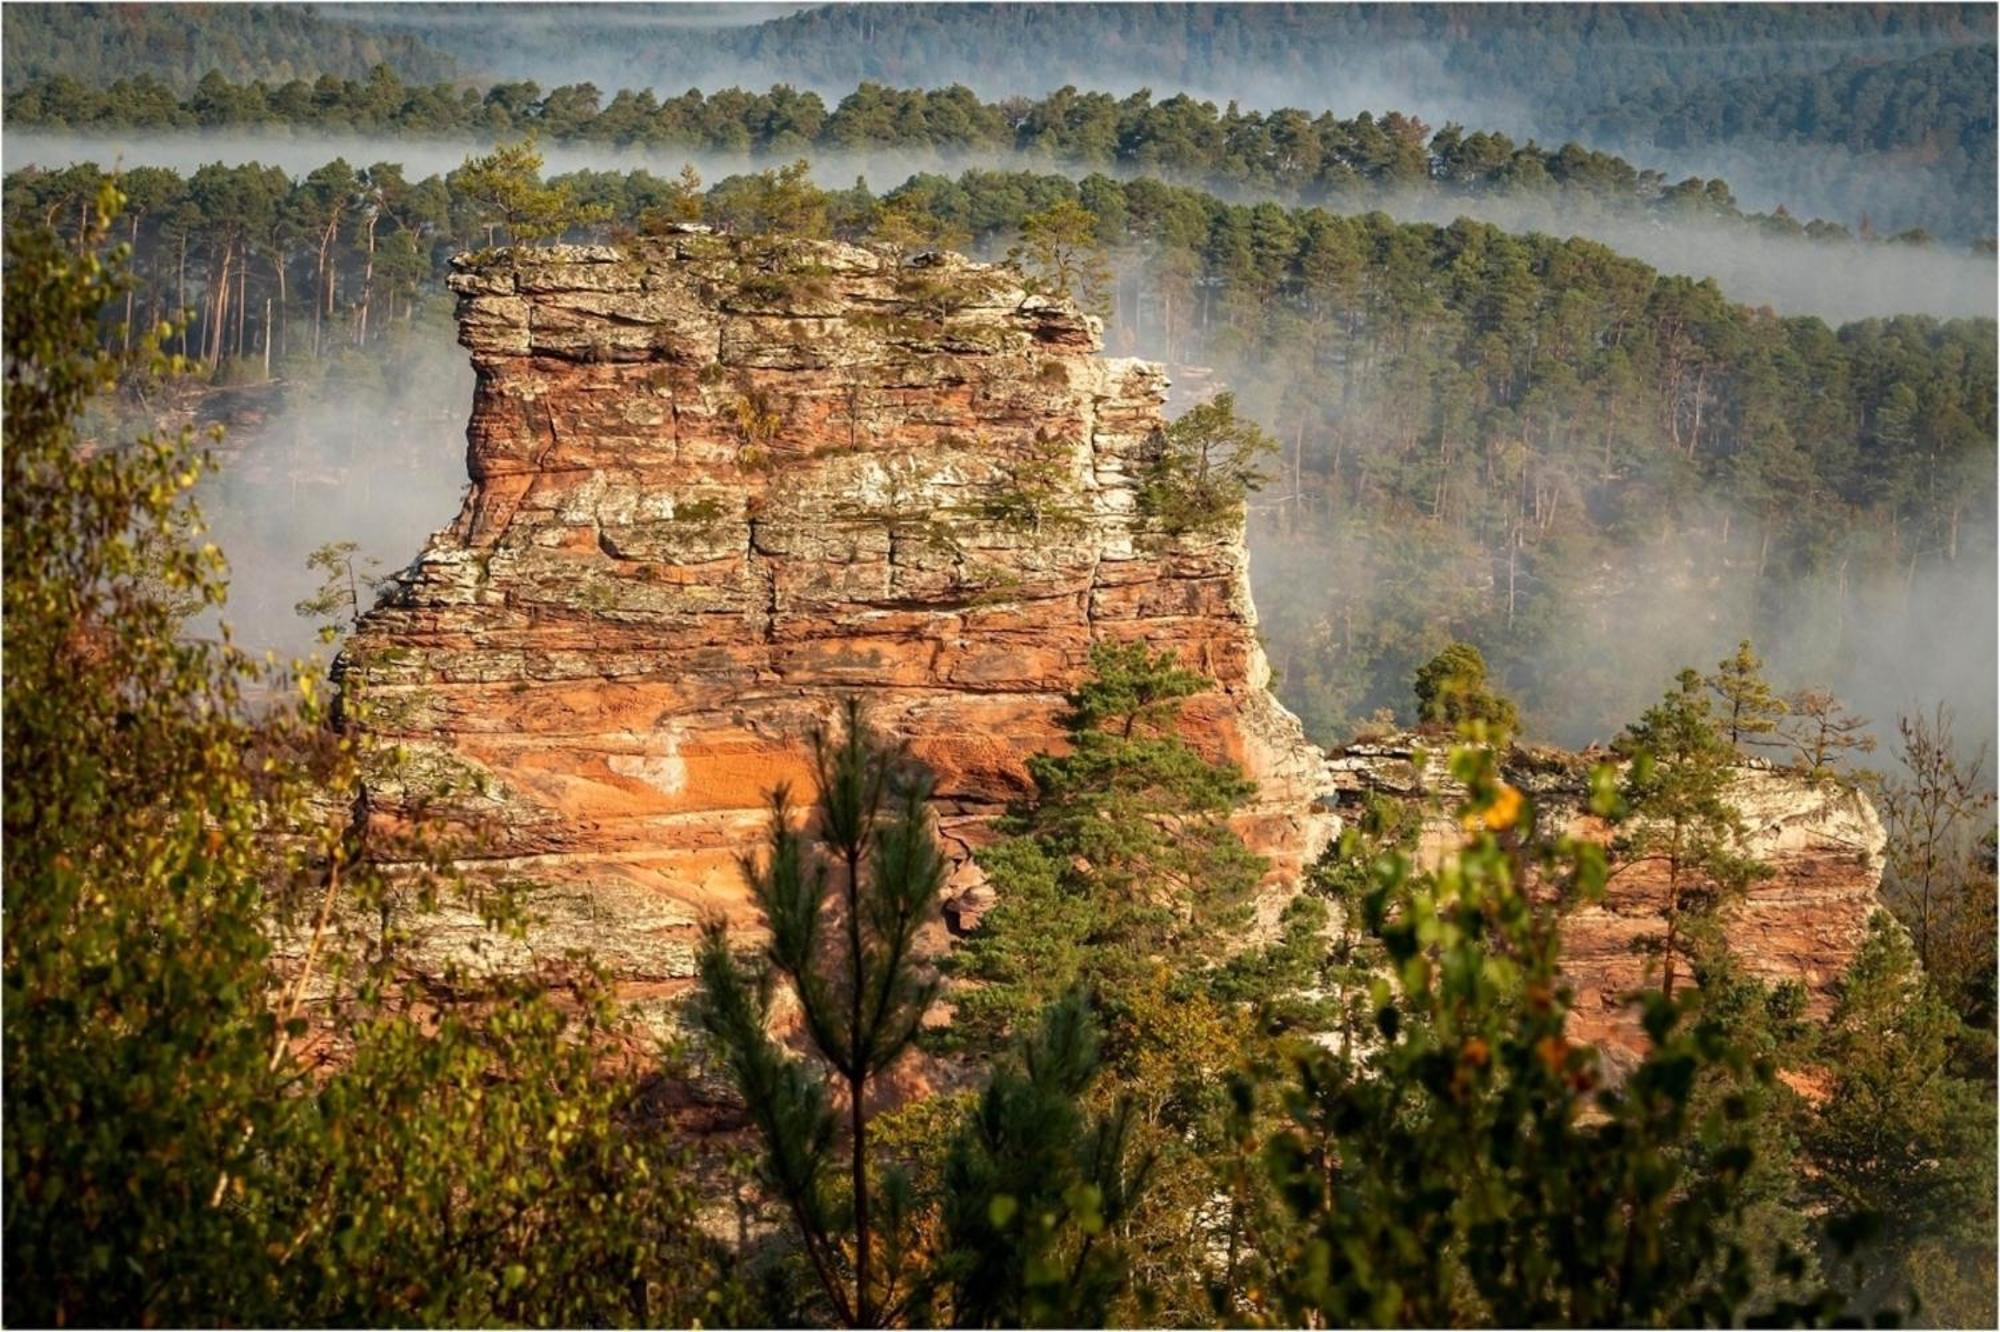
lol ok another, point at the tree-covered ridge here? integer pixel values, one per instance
(1384, 1123)
(1575, 57)
(1939, 103)
(1291, 153)
(1472, 425)
(1570, 59)
(1933, 111)
(176, 45)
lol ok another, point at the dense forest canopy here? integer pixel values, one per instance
(1730, 88)
(178, 44)
(1491, 436)
(1293, 154)
(1926, 122)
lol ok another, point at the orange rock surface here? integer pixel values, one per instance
(1822, 842)
(712, 494)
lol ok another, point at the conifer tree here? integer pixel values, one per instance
(861, 1000)
(1750, 706)
(1903, 1133)
(1206, 464)
(1124, 879)
(1125, 855)
(1940, 879)
(505, 187)
(1676, 790)
(344, 573)
(1064, 258)
(1451, 691)
(1036, 1190)
(1821, 731)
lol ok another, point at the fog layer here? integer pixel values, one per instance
(1837, 282)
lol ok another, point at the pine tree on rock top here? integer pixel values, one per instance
(1451, 691)
(1751, 708)
(1681, 820)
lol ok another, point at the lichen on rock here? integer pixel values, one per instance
(1822, 841)
(712, 494)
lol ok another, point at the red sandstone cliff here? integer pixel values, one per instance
(710, 495)
(1822, 841)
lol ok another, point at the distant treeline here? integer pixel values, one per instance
(1934, 112)
(1565, 60)
(1471, 421)
(177, 44)
(1937, 104)
(1294, 154)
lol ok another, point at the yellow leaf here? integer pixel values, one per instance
(1505, 809)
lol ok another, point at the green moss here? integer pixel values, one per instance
(704, 512)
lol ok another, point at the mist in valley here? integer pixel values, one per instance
(375, 455)
(1374, 63)
(378, 458)
(1836, 281)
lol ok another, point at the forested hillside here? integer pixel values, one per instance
(1290, 153)
(1616, 77)
(1563, 61)
(178, 44)
(1483, 435)
(1929, 121)
(321, 1081)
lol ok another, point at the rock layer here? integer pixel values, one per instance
(713, 492)
(1822, 841)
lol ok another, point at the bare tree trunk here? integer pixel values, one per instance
(242, 299)
(180, 293)
(284, 305)
(368, 280)
(132, 291)
(1513, 558)
(325, 298)
(221, 309)
(856, 1086)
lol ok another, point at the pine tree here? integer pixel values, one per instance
(1451, 691)
(1750, 706)
(1902, 1135)
(1680, 817)
(1821, 731)
(1204, 466)
(1063, 257)
(1126, 855)
(861, 1002)
(1940, 872)
(505, 188)
(1036, 1191)
(344, 573)
(1124, 880)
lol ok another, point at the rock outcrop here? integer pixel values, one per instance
(712, 493)
(1822, 841)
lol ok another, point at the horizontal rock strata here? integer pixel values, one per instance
(1822, 841)
(714, 491)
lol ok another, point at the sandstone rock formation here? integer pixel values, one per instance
(713, 490)
(1823, 843)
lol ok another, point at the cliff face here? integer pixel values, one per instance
(1822, 842)
(711, 496)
